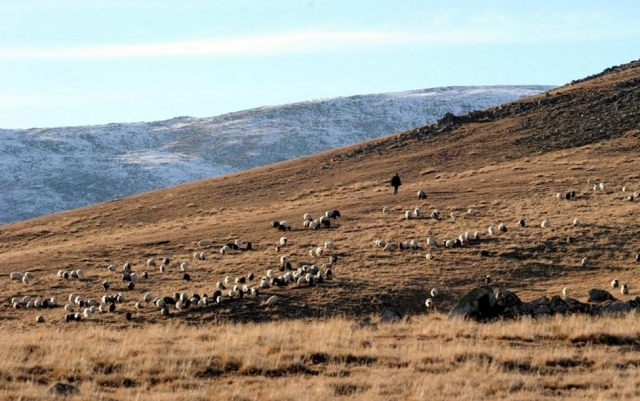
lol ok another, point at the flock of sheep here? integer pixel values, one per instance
(236, 288)
(227, 289)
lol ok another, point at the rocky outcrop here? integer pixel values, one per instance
(482, 304)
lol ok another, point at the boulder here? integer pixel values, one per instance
(390, 316)
(558, 305)
(576, 306)
(63, 389)
(617, 307)
(507, 299)
(479, 304)
(597, 295)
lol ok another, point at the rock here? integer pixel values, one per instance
(478, 304)
(63, 389)
(507, 299)
(597, 295)
(390, 316)
(617, 307)
(576, 306)
(558, 305)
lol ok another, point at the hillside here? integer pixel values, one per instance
(507, 162)
(49, 170)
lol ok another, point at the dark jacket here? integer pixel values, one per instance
(395, 181)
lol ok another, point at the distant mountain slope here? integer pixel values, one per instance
(46, 170)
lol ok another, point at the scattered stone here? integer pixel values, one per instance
(390, 316)
(64, 389)
(478, 304)
(597, 295)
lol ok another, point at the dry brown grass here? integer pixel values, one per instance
(306, 348)
(570, 357)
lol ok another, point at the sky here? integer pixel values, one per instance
(85, 62)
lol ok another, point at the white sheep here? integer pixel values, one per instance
(454, 215)
(434, 292)
(584, 261)
(565, 291)
(319, 251)
(151, 262)
(428, 256)
(380, 242)
(449, 243)
(491, 230)
(428, 303)
(203, 243)
(408, 214)
(431, 241)
(576, 222)
(307, 217)
(148, 297)
(614, 283)
(163, 268)
(624, 289)
(16, 276)
(285, 225)
(225, 249)
(421, 195)
(601, 186)
(472, 212)
(476, 235)
(329, 245)
(264, 283)
(385, 209)
(112, 268)
(413, 244)
(416, 212)
(389, 247)
(283, 241)
(545, 224)
(184, 266)
(272, 300)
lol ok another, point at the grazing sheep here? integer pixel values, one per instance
(203, 243)
(601, 186)
(40, 319)
(307, 217)
(166, 261)
(435, 214)
(389, 247)
(131, 286)
(638, 257)
(283, 260)
(454, 215)
(385, 209)
(408, 214)
(264, 283)
(434, 292)
(105, 285)
(565, 292)
(112, 268)
(522, 223)
(199, 255)
(284, 226)
(422, 195)
(272, 300)
(325, 222)
(570, 240)
(576, 222)
(614, 283)
(472, 212)
(333, 214)
(428, 303)
(329, 245)
(379, 242)
(283, 241)
(163, 268)
(431, 241)
(449, 243)
(545, 224)
(416, 212)
(624, 289)
(584, 261)
(491, 230)
(151, 262)
(225, 249)
(16, 276)
(184, 266)
(487, 279)
(567, 196)
(413, 244)
(476, 235)
(127, 267)
(502, 227)
(428, 256)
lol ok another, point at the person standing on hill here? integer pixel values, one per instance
(395, 183)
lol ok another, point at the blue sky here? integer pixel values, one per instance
(79, 62)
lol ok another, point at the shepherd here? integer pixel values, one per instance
(395, 183)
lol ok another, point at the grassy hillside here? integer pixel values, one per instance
(508, 163)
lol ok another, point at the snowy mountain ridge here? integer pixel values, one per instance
(46, 170)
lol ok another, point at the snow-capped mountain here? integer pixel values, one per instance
(46, 170)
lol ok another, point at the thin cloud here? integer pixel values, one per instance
(293, 42)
